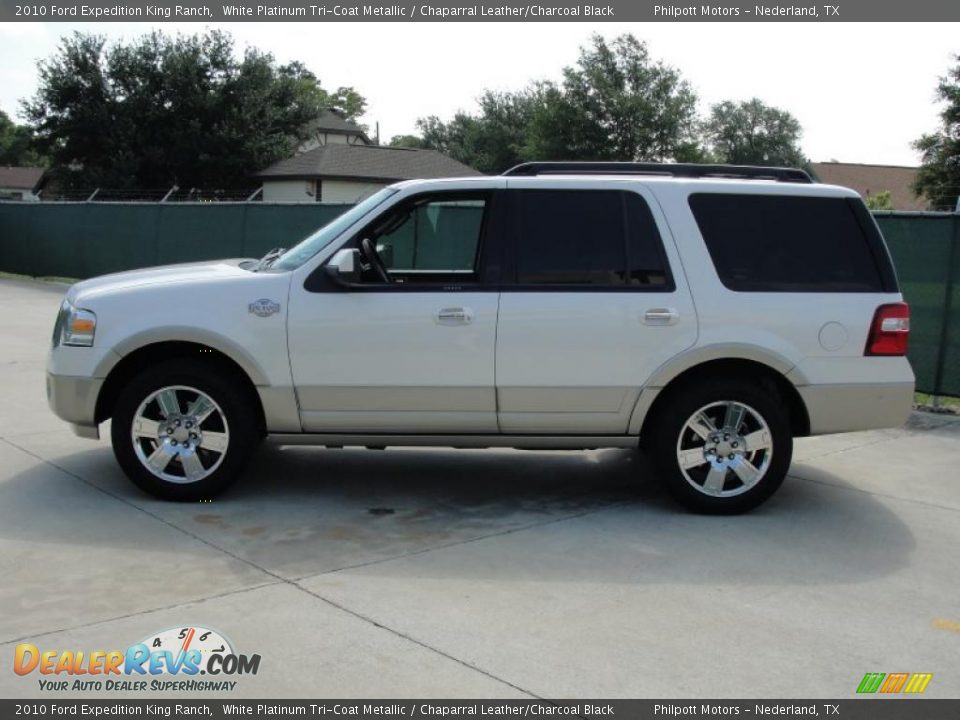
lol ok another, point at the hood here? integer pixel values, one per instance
(162, 275)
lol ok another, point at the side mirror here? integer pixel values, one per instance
(344, 267)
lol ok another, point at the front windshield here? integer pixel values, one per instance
(303, 251)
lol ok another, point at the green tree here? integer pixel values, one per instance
(615, 103)
(348, 102)
(490, 141)
(406, 141)
(16, 143)
(939, 176)
(753, 133)
(164, 110)
(879, 201)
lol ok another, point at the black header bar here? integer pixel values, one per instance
(333, 11)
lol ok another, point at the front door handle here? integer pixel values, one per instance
(661, 316)
(454, 316)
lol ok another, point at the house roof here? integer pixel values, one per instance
(367, 162)
(21, 178)
(872, 179)
(332, 121)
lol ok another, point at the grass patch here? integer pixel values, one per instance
(42, 278)
(948, 403)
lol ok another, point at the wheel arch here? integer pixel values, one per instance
(769, 371)
(187, 336)
(136, 360)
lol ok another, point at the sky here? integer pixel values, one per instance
(862, 91)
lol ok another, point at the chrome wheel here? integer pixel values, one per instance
(724, 449)
(180, 434)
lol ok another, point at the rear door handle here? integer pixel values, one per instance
(661, 316)
(454, 316)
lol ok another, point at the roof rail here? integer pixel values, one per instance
(685, 170)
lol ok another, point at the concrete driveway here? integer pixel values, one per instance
(418, 573)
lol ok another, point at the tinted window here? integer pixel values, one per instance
(300, 253)
(787, 244)
(570, 237)
(441, 235)
(646, 261)
(430, 239)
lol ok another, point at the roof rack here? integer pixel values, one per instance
(685, 170)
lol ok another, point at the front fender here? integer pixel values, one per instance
(174, 333)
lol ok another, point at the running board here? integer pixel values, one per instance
(525, 442)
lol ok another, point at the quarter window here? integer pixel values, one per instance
(779, 243)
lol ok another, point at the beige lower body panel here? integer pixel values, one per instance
(74, 399)
(372, 398)
(381, 421)
(280, 409)
(385, 409)
(542, 412)
(577, 410)
(519, 410)
(860, 406)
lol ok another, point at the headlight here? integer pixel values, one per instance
(74, 326)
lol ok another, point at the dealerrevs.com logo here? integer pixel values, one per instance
(170, 660)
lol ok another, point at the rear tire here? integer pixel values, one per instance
(183, 430)
(721, 447)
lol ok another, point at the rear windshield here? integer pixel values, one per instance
(778, 243)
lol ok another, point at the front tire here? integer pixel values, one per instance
(183, 430)
(722, 447)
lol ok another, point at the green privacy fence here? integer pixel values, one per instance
(926, 251)
(85, 239)
(80, 240)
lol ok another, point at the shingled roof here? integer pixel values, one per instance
(21, 178)
(332, 121)
(872, 179)
(367, 162)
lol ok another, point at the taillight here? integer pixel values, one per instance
(890, 330)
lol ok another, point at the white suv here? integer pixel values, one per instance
(707, 313)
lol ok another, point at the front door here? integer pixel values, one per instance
(410, 348)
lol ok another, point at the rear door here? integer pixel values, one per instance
(593, 302)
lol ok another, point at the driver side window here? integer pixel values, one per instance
(433, 239)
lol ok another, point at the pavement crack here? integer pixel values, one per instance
(415, 641)
(277, 578)
(467, 541)
(874, 494)
(147, 611)
(841, 451)
(143, 510)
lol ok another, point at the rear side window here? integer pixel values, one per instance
(776, 243)
(598, 238)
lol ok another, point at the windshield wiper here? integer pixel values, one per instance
(268, 259)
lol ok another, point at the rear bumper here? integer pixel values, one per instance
(857, 406)
(74, 399)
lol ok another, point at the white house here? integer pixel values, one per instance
(21, 183)
(339, 164)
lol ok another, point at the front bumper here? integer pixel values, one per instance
(74, 399)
